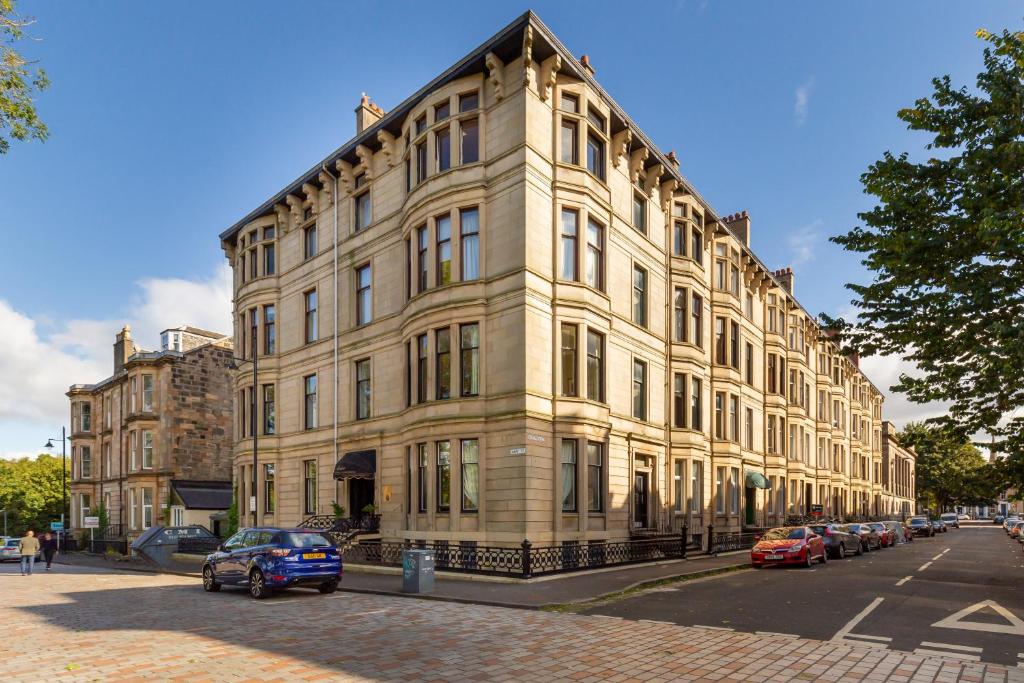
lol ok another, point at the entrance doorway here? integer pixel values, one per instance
(750, 503)
(641, 488)
(360, 494)
(808, 498)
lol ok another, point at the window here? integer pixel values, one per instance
(570, 103)
(696, 405)
(421, 368)
(147, 393)
(311, 407)
(639, 390)
(443, 149)
(420, 150)
(570, 135)
(749, 306)
(107, 411)
(269, 267)
(469, 131)
(640, 296)
(595, 256)
(749, 363)
(679, 401)
(253, 265)
(442, 111)
(678, 480)
(86, 414)
(734, 345)
(421, 244)
(595, 155)
(734, 490)
(569, 387)
(697, 244)
(363, 389)
(569, 236)
(442, 363)
(85, 462)
(470, 475)
(720, 490)
(269, 418)
(595, 477)
(310, 303)
(771, 373)
(678, 238)
(309, 486)
(734, 418)
(268, 488)
(108, 461)
(147, 449)
(696, 486)
(364, 295)
(596, 118)
(443, 228)
(568, 475)
(469, 360)
(177, 514)
(469, 225)
(696, 315)
(719, 415)
(770, 432)
(720, 350)
(309, 249)
(134, 384)
(679, 315)
(640, 212)
(469, 101)
(364, 209)
(133, 443)
(595, 366)
(734, 280)
(253, 327)
(421, 457)
(147, 508)
(444, 476)
(748, 429)
(133, 504)
(269, 330)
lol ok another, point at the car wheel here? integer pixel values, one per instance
(809, 559)
(258, 585)
(841, 553)
(210, 584)
(329, 586)
(860, 549)
(824, 556)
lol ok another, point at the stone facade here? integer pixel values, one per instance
(161, 416)
(899, 478)
(534, 323)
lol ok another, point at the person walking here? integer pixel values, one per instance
(49, 548)
(28, 546)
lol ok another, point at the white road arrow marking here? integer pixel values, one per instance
(948, 646)
(1014, 625)
(845, 630)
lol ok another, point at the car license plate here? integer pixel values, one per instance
(314, 556)
(773, 557)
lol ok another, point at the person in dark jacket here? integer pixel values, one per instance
(49, 548)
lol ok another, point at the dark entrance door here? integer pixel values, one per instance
(360, 494)
(641, 486)
(808, 495)
(750, 503)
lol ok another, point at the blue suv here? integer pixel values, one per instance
(269, 559)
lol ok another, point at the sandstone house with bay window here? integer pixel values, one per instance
(501, 312)
(152, 443)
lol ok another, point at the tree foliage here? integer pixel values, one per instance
(949, 469)
(945, 247)
(19, 81)
(30, 491)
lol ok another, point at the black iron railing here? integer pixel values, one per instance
(724, 541)
(524, 560)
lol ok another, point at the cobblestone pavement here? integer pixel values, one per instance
(85, 624)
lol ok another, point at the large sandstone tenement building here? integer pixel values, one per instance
(501, 312)
(160, 426)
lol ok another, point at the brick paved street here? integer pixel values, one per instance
(82, 624)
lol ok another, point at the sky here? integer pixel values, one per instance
(170, 121)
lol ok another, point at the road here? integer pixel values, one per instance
(104, 624)
(957, 594)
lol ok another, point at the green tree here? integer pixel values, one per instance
(949, 469)
(19, 81)
(945, 248)
(30, 491)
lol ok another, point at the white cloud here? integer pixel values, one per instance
(885, 371)
(38, 361)
(802, 242)
(802, 99)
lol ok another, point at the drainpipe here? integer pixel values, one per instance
(337, 200)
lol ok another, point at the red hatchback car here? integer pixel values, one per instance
(788, 545)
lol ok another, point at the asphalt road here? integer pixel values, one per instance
(955, 595)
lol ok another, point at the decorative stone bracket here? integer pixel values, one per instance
(549, 74)
(495, 74)
(312, 196)
(636, 163)
(653, 178)
(365, 155)
(620, 146)
(528, 57)
(667, 192)
(389, 145)
(346, 175)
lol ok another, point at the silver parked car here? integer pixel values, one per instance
(9, 551)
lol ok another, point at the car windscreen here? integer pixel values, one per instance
(300, 539)
(877, 526)
(948, 515)
(917, 521)
(819, 529)
(782, 534)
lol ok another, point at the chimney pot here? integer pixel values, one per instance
(585, 61)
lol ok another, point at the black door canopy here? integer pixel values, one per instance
(357, 465)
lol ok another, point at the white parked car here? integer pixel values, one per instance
(965, 518)
(9, 551)
(951, 519)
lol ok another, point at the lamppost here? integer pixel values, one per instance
(252, 425)
(63, 481)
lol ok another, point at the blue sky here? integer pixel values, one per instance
(170, 121)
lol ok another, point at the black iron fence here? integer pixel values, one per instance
(525, 560)
(105, 545)
(724, 541)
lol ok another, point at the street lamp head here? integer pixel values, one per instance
(49, 444)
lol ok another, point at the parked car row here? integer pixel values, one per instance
(806, 544)
(266, 560)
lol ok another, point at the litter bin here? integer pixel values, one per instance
(417, 571)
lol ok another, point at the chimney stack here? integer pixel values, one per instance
(785, 276)
(124, 348)
(585, 61)
(367, 114)
(739, 223)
